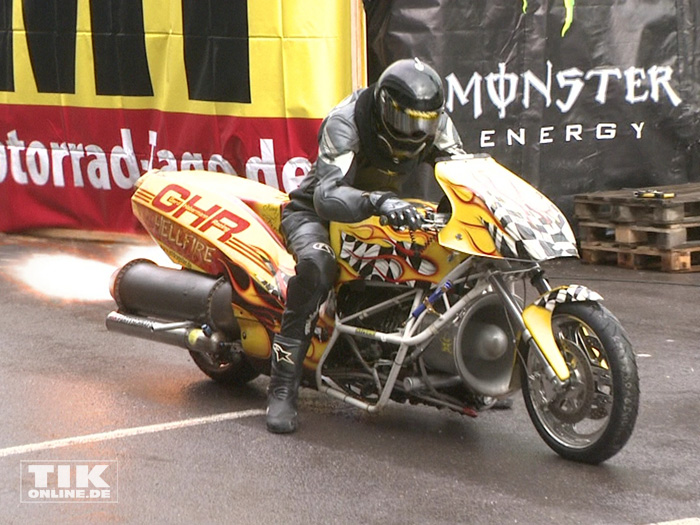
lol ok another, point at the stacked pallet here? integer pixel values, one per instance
(652, 229)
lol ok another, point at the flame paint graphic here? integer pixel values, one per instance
(250, 295)
(568, 19)
(474, 218)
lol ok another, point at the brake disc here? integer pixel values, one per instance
(574, 403)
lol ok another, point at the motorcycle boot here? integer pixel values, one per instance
(285, 377)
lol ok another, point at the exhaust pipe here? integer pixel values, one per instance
(142, 290)
(184, 334)
(417, 384)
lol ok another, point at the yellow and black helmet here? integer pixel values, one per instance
(409, 101)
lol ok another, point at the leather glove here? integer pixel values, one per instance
(397, 211)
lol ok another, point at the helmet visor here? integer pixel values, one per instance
(407, 123)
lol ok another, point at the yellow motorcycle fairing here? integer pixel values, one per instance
(218, 224)
(495, 213)
(369, 250)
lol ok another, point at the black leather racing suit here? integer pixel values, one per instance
(350, 165)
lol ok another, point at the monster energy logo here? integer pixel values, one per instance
(568, 19)
(560, 88)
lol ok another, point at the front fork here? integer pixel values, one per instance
(534, 323)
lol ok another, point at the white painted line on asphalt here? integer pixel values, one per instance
(127, 432)
(687, 521)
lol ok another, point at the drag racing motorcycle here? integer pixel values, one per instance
(456, 315)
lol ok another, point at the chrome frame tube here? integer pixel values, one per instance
(489, 280)
(405, 340)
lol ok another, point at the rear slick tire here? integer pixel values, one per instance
(593, 418)
(235, 370)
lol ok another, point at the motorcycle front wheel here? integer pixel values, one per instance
(593, 416)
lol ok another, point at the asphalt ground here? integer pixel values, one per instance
(178, 448)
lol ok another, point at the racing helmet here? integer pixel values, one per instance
(409, 101)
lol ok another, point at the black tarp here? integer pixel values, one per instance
(608, 100)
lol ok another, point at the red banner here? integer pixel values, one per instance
(47, 180)
(95, 93)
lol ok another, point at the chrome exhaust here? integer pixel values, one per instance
(185, 334)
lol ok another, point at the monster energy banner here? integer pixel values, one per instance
(576, 96)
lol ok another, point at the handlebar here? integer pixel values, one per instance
(430, 221)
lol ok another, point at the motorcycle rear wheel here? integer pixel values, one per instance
(593, 418)
(230, 369)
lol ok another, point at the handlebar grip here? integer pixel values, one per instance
(384, 220)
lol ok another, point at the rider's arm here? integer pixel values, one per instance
(334, 199)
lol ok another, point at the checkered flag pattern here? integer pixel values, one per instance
(504, 243)
(533, 236)
(567, 294)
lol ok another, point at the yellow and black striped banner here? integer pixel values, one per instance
(94, 92)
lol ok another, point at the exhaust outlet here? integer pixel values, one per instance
(417, 384)
(143, 289)
(184, 334)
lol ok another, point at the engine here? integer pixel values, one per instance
(178, 307)
(477, 351)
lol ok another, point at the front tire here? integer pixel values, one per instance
(592, 418)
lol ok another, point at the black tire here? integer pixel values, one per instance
(593, 418)
(233, 369)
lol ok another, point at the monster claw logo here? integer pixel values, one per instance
(568, 19)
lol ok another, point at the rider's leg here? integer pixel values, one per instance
(285, 376)
(315, 274)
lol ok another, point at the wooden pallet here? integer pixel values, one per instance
(621, 206)
(684, 258)
(641, 233)
(662, 237)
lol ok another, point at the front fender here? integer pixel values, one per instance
(568, 293)
(538, 321)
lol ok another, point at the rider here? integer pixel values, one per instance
(367, 145)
